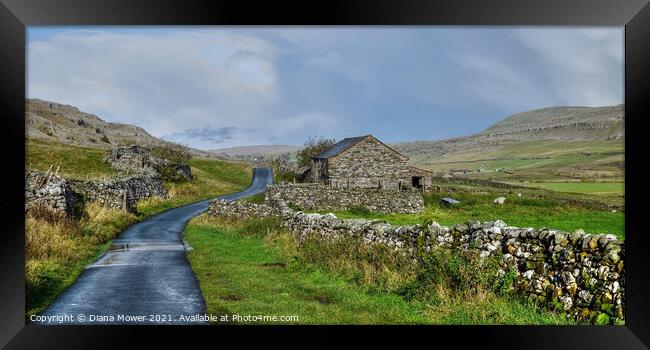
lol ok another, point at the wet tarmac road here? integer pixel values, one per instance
(145, 273)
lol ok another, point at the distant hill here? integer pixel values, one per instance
(548, 143)
(256, 151)
(66, 124)
(562, 123)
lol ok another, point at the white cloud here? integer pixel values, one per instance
(164, 83)
(547, 67)
(222, 87)
(584, 66)
(500, 83)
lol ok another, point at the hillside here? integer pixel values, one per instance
(257, 151)
(54, 122)
(556, 143)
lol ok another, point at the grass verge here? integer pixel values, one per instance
(253, 267)
(57, 249)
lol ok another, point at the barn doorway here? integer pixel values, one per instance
(416, 182)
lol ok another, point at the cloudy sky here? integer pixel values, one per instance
(216, 87)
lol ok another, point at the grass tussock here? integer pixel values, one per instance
(58, 248)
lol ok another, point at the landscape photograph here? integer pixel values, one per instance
(416, 175)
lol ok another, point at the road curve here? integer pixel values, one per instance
(145, 273)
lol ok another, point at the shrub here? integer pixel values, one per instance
(283, 176)
(312, 147)
(445, 272)
(104, 138)
(172, 152)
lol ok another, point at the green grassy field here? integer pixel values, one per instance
(251, 267)
(517, 211)
(600, 188)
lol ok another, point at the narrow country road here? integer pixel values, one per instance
(145, 273)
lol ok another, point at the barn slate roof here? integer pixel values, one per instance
(339, 147)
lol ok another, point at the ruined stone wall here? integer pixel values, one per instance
(577, 273)
(136, 159)
(122, 193)
(368, 164)
(131, 159)
(51, 191)
(317, 196)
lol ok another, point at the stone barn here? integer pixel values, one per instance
(365, 162)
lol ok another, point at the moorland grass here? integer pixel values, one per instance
(73, 161)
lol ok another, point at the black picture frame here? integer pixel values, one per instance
(15, 15)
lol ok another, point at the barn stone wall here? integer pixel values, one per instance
(579, 274)
(368, 164)
(318, 196)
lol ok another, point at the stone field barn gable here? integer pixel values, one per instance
(366, 162)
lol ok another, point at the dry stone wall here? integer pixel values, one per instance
(51, 191)
(220, 207)
(577, 273)
(137, 159)
(68, 196)
(131, 159)
(123, 193)
(316, 196)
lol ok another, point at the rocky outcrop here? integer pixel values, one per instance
(320, 197)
